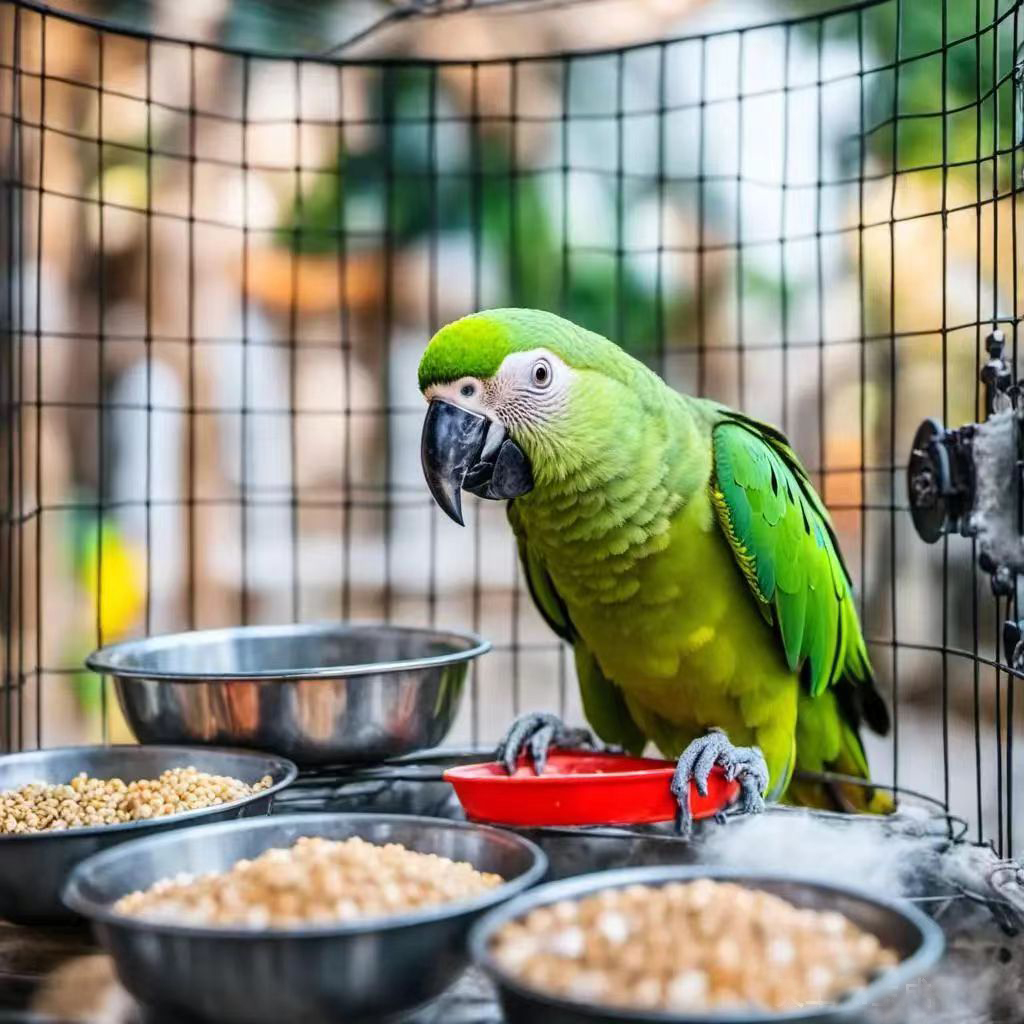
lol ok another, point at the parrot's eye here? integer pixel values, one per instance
(541, 374)
(467, 390)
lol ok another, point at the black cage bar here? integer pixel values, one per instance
(221, 266)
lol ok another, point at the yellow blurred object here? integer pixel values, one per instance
(125, 185)
(118, 586)
(125, 193)
(111, 573)
(118, 730)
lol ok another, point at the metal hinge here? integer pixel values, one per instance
(968, 480)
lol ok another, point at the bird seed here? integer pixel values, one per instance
(315, 881)
(686, 947)
(85, 801)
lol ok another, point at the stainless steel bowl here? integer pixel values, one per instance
(898, 924)
(372, 970)
(316, 694)
(34, 867)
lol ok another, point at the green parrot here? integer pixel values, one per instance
(676, 544)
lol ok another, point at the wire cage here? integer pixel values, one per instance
(221, 266)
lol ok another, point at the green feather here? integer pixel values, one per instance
(780, 532)
(542, 590)
(472, 347)
(476, 345)
(603, 701)
(604, 704)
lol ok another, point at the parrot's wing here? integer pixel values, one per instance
(783, 540)
(605, 705)
(603, 702)
(548, 601)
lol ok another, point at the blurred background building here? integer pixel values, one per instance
(231, 262)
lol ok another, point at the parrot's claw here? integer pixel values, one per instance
(745, 764)
(535, 733)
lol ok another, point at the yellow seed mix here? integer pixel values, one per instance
(699, 946)
(40, 807)
(316, 881)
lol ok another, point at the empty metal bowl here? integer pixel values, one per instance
(34, 866)
(326, 694)
(363, 971)
(897, 924)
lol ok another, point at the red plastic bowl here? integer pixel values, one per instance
(582, 788)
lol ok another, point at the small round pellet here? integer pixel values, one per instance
(85, 801)
(690, 947)
(316, 881)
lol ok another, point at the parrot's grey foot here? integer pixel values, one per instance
(535, 733)
(745, 764)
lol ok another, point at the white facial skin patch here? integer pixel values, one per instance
(528, 389)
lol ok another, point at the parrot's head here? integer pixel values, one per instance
(516, 397)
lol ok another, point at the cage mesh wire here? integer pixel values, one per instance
(221, 267)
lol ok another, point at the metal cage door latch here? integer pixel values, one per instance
(1013, 644)
(967, 480)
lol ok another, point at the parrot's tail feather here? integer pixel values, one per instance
(874, 709)
(809, 789)
(847, 798)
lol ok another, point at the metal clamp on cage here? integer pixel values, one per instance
(967, 480)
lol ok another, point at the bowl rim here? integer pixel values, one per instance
(289, 768)
(74, 899)
(660, 769)
(923, 958)
(110, 660)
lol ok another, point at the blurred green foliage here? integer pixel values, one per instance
(274, 26)
(913, 47)
(419, 179)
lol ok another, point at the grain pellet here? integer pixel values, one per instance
(87, 801)
(315, 881)
(687, 947)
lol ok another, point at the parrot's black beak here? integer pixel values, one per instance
(461, 449)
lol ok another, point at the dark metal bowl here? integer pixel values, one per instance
(34, 866)
(325, 694)
(365, 971)
(897, 924)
